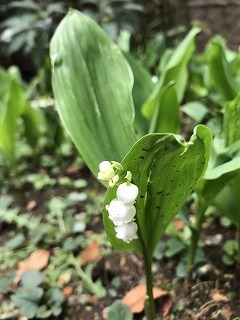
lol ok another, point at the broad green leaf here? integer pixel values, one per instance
(142, 88)
(166, 116)
(175, 70)
(195, 110)
(220, 69)
(232, 121)
(92, 84)
(165, 168)
(215, 180)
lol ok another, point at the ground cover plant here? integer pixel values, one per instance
(57, 256)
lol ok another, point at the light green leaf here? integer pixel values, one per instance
(15, 241)
(166, 116)
(220, 69)
(31, 278)
(175, 70)
(195, 110)
(26, 299)
(228, 200)
(13, 104)
(215, 180)
(231, 121)
(92, 84)
(165, 168)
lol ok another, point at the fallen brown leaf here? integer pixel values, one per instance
(134, 299)
(90, 253)
(67, 290)
(36, 261)
(179, 224)
(31, 205)
(226, 312)
(216, 295)
(72, 169)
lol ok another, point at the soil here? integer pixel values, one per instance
(214, 295)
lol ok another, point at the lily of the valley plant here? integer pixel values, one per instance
(153, 174)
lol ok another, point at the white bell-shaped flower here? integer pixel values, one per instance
(127, 193)
(127, 232)
(119, 213)
(106, 171)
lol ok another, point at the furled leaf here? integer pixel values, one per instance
(142, 88)
(175, 70)
(165, 169)
(220, 69)
(13, 105)
(166, 116)
(232, 120)
(92, 84)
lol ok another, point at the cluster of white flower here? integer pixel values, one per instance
(121, 209)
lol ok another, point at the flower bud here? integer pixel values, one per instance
(113, 181)
(127, 193)
(127, 232)
(106, 171)
(119, 213)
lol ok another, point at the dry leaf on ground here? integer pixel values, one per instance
(216, 295)
(67, 291)
(36, 261)
(134, 299)
(90, 253)
(31, 205)
(178, 223)
(226, 312)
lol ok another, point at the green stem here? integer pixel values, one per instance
(149, 301)
(238, 250)
(100, 292)
(194, 242)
